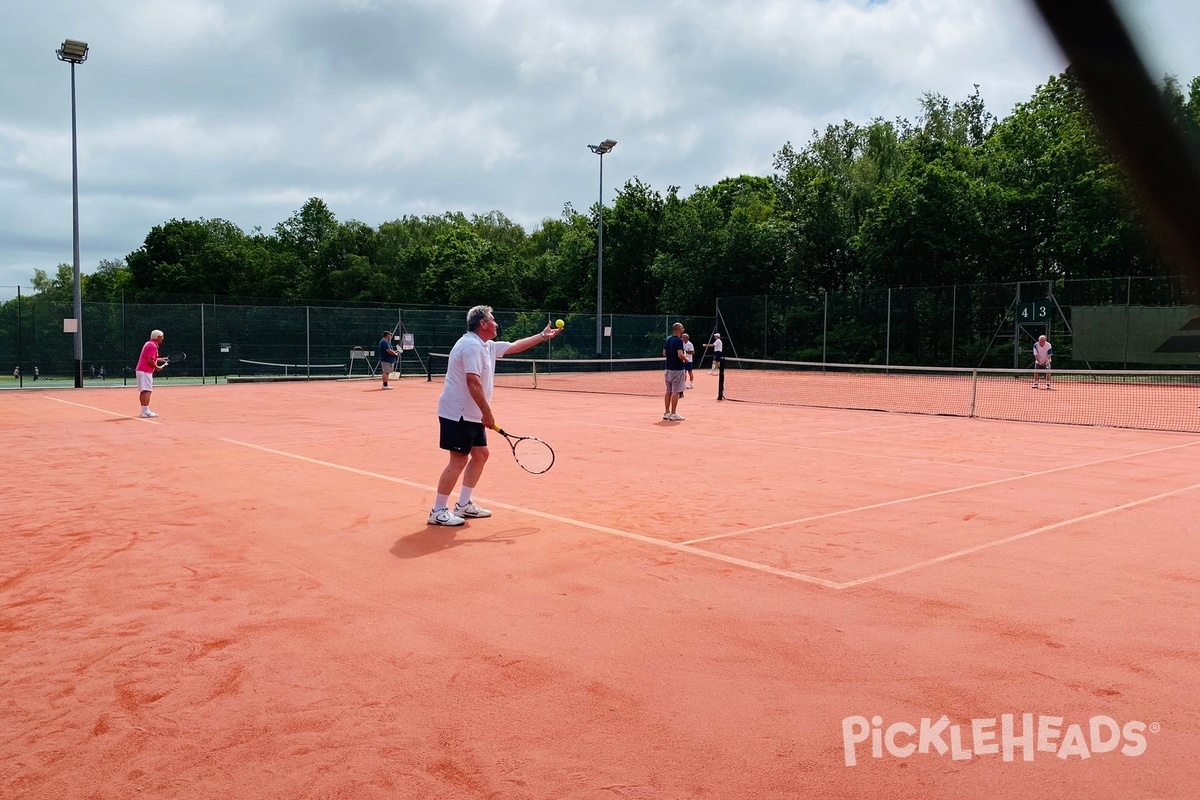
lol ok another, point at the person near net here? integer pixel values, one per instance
(465, 411)
(148, 364)
(718, 348)
(387, 357)
(689, 355)
(1042, 351)
(675, 374)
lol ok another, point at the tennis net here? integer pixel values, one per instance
(1148, 400)
(267, 369)
(635, 376)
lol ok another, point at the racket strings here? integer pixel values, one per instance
(533, 455)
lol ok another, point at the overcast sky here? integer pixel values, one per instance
(244, 109)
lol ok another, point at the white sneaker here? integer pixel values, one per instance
(442, 516)
(687, 386)
(148, 415)
(386, 386)
(710, 372)
(667, 416)
(471, 510)
(675, 417)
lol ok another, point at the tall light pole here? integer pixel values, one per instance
(73, 53)
(600, 149)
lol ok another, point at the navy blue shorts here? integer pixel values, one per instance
(459, 436)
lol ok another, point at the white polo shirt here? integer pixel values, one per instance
(469, 356)
(1042, 352)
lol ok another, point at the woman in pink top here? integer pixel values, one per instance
(148, 364)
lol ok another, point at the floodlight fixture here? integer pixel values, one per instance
(73, 51)
(604, 147)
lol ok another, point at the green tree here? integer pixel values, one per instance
(59, 287)
(108, 283)
(313, 238)
(631, 230)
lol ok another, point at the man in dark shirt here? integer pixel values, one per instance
(387, 357)
(675, 374)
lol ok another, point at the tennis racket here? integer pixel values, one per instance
(532, 454)
(172, 358)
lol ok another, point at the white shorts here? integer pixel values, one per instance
(145, 381)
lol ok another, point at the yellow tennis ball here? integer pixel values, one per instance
(558, 323)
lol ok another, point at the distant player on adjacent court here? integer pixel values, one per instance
(689, 355)
(718, 348)
(465, 412)
(675, 374)
(1042, 351)
(387, 357)
(148, 364)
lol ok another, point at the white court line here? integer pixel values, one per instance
(139, 418)
(708, 437)
(839, 431)
(637, 537)
(977, 548)
(928, 495)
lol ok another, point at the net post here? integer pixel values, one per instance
(721, 379)
(974, 390)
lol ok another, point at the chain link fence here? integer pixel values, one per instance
(1120, 323)
(225, 340)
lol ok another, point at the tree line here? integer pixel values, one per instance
(955, 197)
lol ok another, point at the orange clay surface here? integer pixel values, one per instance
(242, 599)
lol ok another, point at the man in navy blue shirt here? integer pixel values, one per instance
(676, 372)
(387, 357)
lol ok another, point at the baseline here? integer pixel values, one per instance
(637, 537)
(103, 410)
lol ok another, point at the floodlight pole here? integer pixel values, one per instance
(75, 53)
(600, 149)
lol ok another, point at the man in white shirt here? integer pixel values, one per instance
(465, 412)
(718, 348)
(1042, 351)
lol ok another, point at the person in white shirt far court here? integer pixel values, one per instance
(1042, 351)
(718, 348)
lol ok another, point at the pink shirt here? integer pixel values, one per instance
(148, 360)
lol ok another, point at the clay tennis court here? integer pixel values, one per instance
(242, 599)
